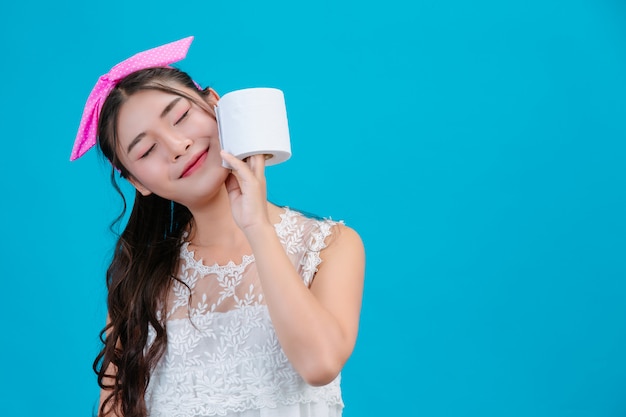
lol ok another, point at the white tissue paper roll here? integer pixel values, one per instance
(254, 121)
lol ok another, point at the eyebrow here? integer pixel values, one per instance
(164, 113)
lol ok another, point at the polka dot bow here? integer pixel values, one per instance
(160, 56)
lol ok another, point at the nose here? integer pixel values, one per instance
(176, 145)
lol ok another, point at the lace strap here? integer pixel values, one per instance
(317, 242)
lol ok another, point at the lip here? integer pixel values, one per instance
(194, 163)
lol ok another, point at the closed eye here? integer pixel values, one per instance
(147, 152)
(182, 117)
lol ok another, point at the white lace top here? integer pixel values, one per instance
(223, 357)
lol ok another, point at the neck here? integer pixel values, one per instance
(213, 223)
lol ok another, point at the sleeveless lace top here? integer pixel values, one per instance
(223, 357)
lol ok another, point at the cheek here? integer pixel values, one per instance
(202, 126)
(148, 174)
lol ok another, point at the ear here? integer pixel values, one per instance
(213, 97)
(139, 187)
(214, 94)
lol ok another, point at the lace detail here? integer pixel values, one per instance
(228, 277)
(223, 355)
(298, 238)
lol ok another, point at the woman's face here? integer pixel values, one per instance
(170, 146)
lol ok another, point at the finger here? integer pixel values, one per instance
(238, 166)
(250, 168)
(257, 165)
(228, 157)
(232, 185)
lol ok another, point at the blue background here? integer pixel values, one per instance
(477, 146)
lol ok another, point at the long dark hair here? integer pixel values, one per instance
(145, 260)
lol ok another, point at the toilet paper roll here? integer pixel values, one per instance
(254, 121)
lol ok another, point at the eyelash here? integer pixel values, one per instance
(182, 117)
(147, 152)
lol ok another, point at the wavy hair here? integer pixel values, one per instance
(145, 260)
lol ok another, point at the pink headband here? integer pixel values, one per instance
(161, 56)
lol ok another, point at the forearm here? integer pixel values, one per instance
(316, 327)
(311, 337)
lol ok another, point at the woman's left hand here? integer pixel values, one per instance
(247, 192)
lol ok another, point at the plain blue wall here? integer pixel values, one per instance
(477, 146)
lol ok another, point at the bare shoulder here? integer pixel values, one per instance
(345, 250)
(344, 238)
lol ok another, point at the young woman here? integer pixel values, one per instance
(219, 302)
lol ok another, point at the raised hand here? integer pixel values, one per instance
(247, 192)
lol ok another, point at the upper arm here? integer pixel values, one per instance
(338, 283)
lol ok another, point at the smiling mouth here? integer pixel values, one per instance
(194, 164)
